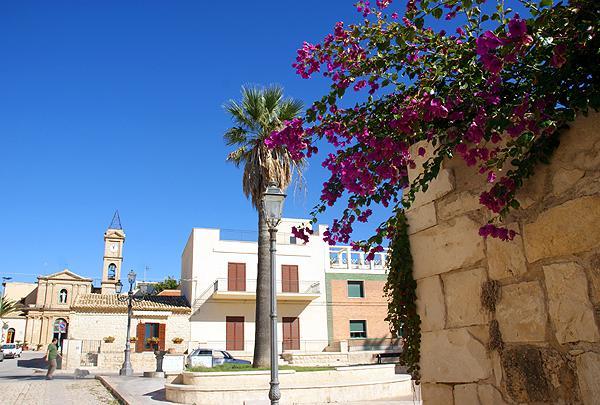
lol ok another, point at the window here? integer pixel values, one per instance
(356, 289)
(112, 270)
(236, 276)
(289, 278)
(293, 240)
(62, 296)
(151, 331)
(358, 329)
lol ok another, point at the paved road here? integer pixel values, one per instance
(23, 383)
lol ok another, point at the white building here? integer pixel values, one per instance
(219, 280)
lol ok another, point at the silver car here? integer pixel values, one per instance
(210, 358)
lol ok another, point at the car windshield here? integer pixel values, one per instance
(8, 346)
(227, 355)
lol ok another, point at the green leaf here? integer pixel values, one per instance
(546, 3)
(437, 13)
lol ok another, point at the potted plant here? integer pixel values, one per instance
(133, 339)
(177, 340)
(153, 342)
(109, 339)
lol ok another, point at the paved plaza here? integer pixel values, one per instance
(23, 383)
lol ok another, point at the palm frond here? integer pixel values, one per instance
(236, 136)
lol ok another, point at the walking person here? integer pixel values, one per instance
(51, 355)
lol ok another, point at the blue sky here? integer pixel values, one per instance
(117, 105)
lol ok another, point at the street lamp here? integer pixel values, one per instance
(272, 206)
(126, 369)
(4, 325)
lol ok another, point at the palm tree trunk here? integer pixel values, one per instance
(262, 330)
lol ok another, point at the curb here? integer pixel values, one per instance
(113, 391)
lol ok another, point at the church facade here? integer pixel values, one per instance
(67, 306)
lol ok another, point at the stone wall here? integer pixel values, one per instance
(545, 341)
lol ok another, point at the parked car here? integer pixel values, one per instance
(210, 358)
(11, 350)
(1, 355)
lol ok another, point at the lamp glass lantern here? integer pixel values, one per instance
(131, 277)
(119, 287)
(272, 204)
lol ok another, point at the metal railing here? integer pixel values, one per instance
(283, 238)
(249, 285)
(343, 257)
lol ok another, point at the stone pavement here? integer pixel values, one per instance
(136, 390)
(22, 382)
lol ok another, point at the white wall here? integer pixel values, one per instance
(18, 324)
(207, 256)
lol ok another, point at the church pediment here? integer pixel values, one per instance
(65, 275)
(114, 233)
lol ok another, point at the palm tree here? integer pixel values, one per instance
(6, 307)
(260, 112)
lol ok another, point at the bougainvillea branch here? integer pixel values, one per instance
(494, 92)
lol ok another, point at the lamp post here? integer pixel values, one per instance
(3, 325)
(272, 205)
(126, 369)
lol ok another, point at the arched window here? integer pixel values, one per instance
(112, 270)
(10, 336)
(62, 296)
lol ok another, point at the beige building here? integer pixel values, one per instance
(13, 325)
(49, 316)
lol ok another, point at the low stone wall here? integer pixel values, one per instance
(331, 359)
(541, 342)
(342, 384)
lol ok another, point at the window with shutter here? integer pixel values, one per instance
(140, 333)
(162, 331)
(236, 277)
(289, 278)
(234, 333)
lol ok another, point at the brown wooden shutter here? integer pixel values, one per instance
(162, 331)
(236, 277)
(291, 333)
(289, 278)
(140, 334)
(234, 333)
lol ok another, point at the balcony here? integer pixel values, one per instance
(224, 289)
(344, 258)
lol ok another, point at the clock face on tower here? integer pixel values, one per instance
(114, 247)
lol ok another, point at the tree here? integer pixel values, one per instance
(495, 90)
(260, 112)
(7, 307)
(168, 283)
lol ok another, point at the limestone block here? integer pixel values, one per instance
(506, 258)
(430, 303)
(437, 394)
(588, 375)
(580, 145)
(594, 277)
(463, 297)
(521, 313)
(466, 394)
(437, 188)
(453, 355)
(457, 204)
(570, 309)
(419, 160)
(560, 230)
(564, 179)
(536, 374)
(447, 246)
(421, 218)
(488, 394)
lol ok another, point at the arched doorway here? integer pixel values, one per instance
(61, 330)
(10, 335)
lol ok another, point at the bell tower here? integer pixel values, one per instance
(114, 237)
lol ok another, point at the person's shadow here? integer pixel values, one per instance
(37, 362)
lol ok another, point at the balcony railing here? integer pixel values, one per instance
(283, 238)
(343, 257)
(249, 285)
